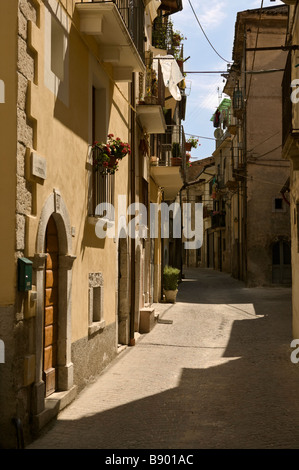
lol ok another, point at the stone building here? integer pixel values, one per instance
(260, 215)
(73, 282)
(290, 149)
(246, 209)
(198, 190)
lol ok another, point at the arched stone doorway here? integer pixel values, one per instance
(51, 308)
(54, 221)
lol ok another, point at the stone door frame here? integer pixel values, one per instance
(54, 206)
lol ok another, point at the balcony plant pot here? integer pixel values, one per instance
(113, 163)
(170, 283)
(188, 146)
(176, 161)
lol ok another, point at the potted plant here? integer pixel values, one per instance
(176, 159)
(177, 38)
(106, 156)
(170, 283)
(192, 142)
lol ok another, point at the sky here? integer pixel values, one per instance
(217, 18)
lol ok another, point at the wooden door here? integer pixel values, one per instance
(281, 263)
(51, 309)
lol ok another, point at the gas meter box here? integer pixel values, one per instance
(24, 274)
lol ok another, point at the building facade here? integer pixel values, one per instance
(290, 145)
(75, 282)
(260, 252)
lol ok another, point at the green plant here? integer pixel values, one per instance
(170, 278)
(176, 150)
(193, 141)
(177, 38)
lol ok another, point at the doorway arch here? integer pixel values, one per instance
(55, 213)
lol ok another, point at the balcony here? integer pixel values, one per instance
(118, 28)
(218, 220)
(171, 6)
(166, 38)
(239, 173)
(238, 104)
(168, 166)
(150, 108)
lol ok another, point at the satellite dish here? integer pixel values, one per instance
(218, 133)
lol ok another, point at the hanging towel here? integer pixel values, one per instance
(171, 74)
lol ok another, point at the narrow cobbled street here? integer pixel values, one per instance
(214, 373)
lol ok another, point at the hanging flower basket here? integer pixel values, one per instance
(106, 156)
(193, 142)
(188, 146)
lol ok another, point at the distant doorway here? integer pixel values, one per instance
(281, 263)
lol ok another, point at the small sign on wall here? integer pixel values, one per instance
(38, 166)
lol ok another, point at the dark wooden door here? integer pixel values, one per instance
(281, 263)
(51, 309)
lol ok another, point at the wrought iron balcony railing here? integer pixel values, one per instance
(169, 148)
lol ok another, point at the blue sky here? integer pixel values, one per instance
(217, 18)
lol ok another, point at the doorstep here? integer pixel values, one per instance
(53, 405)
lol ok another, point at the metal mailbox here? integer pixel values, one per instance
(24, 274)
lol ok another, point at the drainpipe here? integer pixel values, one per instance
(133, 192)
(19, 432)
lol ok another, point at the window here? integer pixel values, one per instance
(102, 185)
(57, 49)
(278, 204)
(96, 303)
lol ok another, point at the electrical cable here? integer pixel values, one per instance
(268, 138)
(228, 61)
(269, 151)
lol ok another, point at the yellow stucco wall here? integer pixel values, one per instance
(8, 119)
(62, 138)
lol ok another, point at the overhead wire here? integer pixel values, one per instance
(228, 61)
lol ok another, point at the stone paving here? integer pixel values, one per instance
(217, 376)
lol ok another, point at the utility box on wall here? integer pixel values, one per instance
(24, 274)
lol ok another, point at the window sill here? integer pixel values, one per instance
(94, 219)
(96, 327)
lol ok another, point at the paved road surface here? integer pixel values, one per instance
(218, 377)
